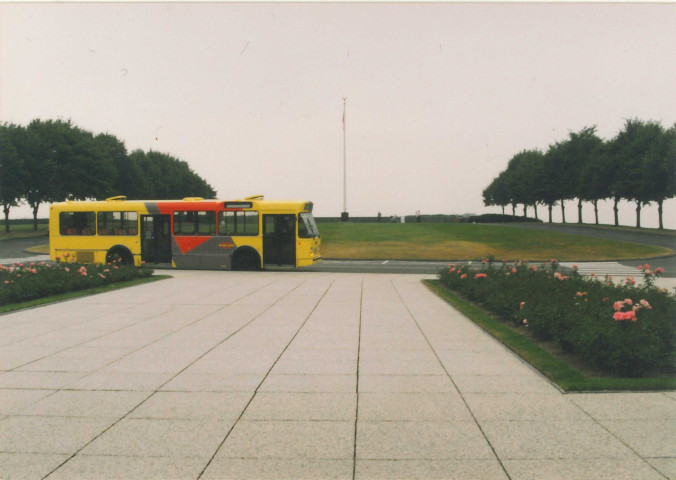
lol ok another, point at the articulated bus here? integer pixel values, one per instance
(192, 233)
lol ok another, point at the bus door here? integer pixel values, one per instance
(156, 238)
(279, 240)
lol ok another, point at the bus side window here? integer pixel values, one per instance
(206, 223)
(77, 223)
(183, 223)
(118, 223)
(250, 223)
(226, 221)
(238, 223)
(195, 223)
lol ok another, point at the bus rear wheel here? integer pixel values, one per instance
(246, 260)
(119, 255)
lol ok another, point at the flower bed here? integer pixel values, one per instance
(620, 330)
(24, 282)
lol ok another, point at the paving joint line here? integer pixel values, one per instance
(451, 379)
(220, 445)
(81, 343)
(356, 416)
(170, 379)
(615, 436)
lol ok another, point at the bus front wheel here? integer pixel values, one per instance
(119, 255)
(246, 260)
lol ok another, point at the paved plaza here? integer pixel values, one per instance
(299, 375)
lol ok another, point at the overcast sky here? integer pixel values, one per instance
(439, 95)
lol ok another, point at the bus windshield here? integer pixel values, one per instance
(307, 228)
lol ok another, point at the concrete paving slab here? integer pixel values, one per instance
(129, 467)
(526, 383)
(666, 466)
(190, 381)
(574, 469)
(482, 364)
(421, 441)
(37, 380)
(67, 337)
(413, 407)
(193, 406)
(649, 438)
(29, 466)
(81, 403)
(330, 366)
(320, 354)
(484, 469)
(279, 469)
(57, 435)
(60, 363)
(277, 374)
(302, 406)
(236, 361)
(405, 384)
(173, 438)
(290, 440)
(523, 406)
(374, 361)
(105, 379)
(310, 383)
(540, 439)
(16, 356)
(627, 406)
(15, 400)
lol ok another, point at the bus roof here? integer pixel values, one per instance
(189, 203)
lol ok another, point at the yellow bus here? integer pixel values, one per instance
(192, 233)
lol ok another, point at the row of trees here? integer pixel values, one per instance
(54, 160)
(638, 164)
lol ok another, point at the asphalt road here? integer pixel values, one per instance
(663, 239)
(16, 248)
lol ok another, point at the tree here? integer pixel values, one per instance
(637, 149)
(496, 194)
(658, 179)
(526, 169)
(106, 153)
(42, 176)
(88, 170)
(564, 163)
(596, 179)
(131, 180)
(583, 149)
(166, 177)
(54, 160)
(12, 178)
(552, 190)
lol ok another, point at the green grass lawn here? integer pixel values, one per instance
(455, 241)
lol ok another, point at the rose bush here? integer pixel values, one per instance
(22, 282)
(621, 330)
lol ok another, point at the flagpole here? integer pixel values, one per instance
(344, 216)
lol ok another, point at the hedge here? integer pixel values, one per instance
(617, 329)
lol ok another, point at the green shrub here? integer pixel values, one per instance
(621, 330)
(24, 282)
